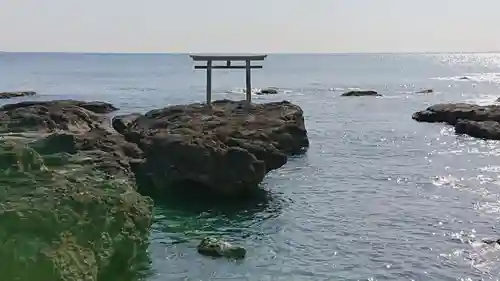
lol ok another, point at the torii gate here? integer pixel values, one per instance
(228, 59)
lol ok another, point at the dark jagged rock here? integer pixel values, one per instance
(267, 91)
(361, 93)
(225, 150)
(97, 106)
(68, 181)
(474, 120)
(72, 127)
(451, 113)
(50, 116)
(106, 151)
(120, 123)
(427, 91)
(9, 95)
(484, 130)
(94, 106)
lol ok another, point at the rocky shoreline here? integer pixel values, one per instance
(470, 119)
(68, 192)
(74, 182)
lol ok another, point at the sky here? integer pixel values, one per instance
(252, 26)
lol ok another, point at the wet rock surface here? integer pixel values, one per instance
(474, 120)
(214, 247)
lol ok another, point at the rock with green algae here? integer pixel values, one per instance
(63, 219)
(214, 247)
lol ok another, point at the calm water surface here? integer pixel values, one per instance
(377, 197)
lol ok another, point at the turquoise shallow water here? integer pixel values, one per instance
(377, 197)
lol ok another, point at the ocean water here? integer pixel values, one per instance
(377, 196)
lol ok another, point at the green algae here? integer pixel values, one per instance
(63, 219)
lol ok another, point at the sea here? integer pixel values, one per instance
(377, 196)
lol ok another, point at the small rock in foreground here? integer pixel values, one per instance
(9, 95)
(214, 247)
(361, 93)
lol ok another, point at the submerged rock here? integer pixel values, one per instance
(213, 247)
(225, 150)
(361, 93)
(474, 120)
(69, 206)
(9, 95)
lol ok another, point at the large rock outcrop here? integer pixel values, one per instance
(69, 208)
(225, 150)
(474, 120)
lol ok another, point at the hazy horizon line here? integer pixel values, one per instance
(245, 53)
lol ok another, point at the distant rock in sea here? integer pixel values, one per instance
(361, 93)
(473, 120)
(267, 91)
(426, 91)
(9, 95)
